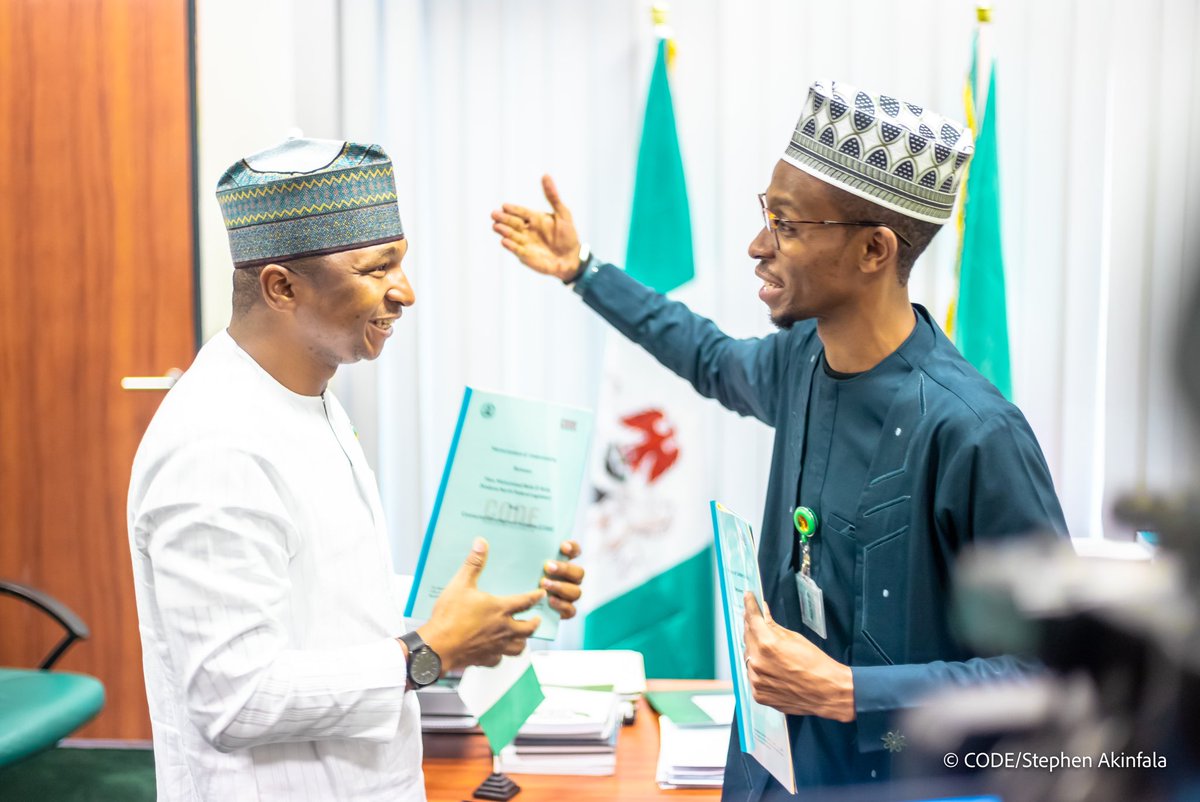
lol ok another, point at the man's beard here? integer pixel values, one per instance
(784, 320)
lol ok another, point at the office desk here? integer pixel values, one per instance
(455, 765)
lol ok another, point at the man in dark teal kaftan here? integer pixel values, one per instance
(901, 451)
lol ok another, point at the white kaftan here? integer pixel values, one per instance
(265, 597)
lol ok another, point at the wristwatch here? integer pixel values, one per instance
(424, 665)
(585, 256)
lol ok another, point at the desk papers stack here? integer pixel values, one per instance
(693, 731)
(690, 757)
(621, 670)
(572, 732)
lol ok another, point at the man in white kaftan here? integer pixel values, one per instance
(268, 615)
(274, 647)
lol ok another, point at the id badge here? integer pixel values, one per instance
(812, 604)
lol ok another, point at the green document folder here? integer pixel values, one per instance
(680, 707)
(512, 477)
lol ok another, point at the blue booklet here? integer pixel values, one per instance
(513, 478)
(762, 730)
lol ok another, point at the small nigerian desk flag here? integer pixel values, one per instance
(502, 698)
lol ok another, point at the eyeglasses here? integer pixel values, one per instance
(772, 221)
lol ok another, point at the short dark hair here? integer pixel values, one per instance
(918, 232)
(246, 292)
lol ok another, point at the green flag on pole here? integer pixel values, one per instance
(651, 570)
(660, 232)
(981, 333)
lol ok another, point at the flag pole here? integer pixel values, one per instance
(660, 13)
(974, 99)
(983, 57)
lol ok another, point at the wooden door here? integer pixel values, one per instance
(97, 255)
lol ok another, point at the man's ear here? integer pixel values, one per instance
(275, 285)
(881, 247)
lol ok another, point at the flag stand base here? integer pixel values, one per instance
(497, 786)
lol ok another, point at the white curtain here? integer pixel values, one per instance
(1099, 106)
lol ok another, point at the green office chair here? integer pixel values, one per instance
(40, 707)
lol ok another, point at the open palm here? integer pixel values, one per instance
(544, 241)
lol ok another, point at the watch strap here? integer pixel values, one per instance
(585, 256)
(414, 642)
(579, 287)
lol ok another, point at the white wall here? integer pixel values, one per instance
(254, 82)
(1100, 153)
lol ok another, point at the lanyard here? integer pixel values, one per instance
(804, 519)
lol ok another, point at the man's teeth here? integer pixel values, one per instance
(384, 324)
(771, 286)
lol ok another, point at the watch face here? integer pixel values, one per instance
(424, 666)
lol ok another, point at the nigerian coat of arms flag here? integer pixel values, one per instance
(650, 569)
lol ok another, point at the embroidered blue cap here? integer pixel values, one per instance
(307, 197)
(897, 154)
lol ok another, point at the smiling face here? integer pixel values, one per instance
(348, 303)
(815, 270)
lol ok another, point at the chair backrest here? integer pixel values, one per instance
(65, 616)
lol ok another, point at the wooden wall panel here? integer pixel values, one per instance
(96, 282)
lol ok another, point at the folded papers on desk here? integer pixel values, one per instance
(572, 732)
(691, 757)
(693, 732)
(622, 671)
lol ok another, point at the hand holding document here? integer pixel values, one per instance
(512, 477)
(762, 730)
(468, 627)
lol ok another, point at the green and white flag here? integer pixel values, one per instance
(659, 253)
(648, 551)
(502, 698)
(979, 317)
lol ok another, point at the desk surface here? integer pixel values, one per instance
(455, 765)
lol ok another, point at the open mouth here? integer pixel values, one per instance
(769, 282)
(384, 324)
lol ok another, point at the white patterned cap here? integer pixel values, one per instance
(893, 153)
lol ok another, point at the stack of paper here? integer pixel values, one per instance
(693, 729)
(690, 757)
(572, 732)
(621, 670)
(442, 710)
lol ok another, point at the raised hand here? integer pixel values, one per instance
(544, 241)
(470, 627)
